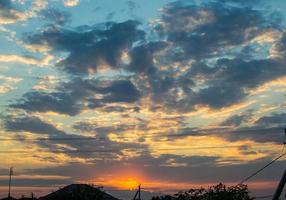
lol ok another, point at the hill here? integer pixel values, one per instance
(78, 192)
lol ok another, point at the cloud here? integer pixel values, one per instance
(71, 3)
(6, 88)
(201, 41)
(47, 83)
(201, 32)
(226, 83)
(89, 47)
(193, 63)
(242, 2)
(30, 124)
(102, 129)
(279, 48)
(234, 78)
(79, 94)
(7, 83)
(43, 102)
(237, 120)
(59, 141)
(120, 91)
(37, 182)
(10, 58)
(198, 170)
(256, 133)
(274, 119)
(56, 16)
(193, 36)
(142, 57)
(9, 14)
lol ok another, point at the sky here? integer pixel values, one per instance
(170, 94)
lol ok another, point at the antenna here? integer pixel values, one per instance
(10, 177)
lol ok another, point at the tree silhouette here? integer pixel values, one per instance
(217, 192)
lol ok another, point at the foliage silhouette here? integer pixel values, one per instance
(217, 192)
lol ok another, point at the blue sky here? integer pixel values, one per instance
(170, 94)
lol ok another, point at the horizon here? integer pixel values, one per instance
(122, 194)
(169, 94)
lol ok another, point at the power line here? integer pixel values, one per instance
(261, 169)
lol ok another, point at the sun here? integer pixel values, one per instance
(129, 183)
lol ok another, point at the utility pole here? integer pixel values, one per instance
(10, 177)
(282, 181)
(138, 192)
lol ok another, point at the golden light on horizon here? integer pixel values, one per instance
(129, 183)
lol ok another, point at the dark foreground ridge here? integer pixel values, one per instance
(88, 192)
(75, 192)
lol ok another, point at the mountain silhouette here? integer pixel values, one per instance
(78, 192)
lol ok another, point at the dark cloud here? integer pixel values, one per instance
(201, 69)
(56, 16)
(30, 124)
(237, 120)
(242, 2)
(233, 79)
(142, 57)
(280, 47)
(149, 163)
(255, 133)
(7, 11)
(226, 83)
(200, 32)
(274, 119)
(74, 96)
(59, 102)
(101, 130)
(89, 46)
(86, 147)
(119, 91)
(218, 96)
(37, 182)
(249, 74)
(198, 169)
(121, 109)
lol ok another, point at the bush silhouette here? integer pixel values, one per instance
(217, 192)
